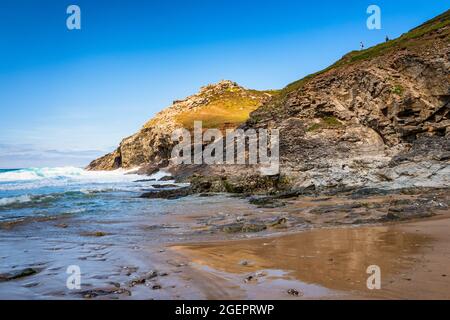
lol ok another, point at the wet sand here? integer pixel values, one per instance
(196, 248)
(414, 258)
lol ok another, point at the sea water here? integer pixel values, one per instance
(55, 218)
(47, 192)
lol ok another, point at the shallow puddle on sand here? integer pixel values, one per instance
(314, 262)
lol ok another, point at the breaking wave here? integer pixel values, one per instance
(30, 174)
(27, 199)
(52, 191)
(33, 178)
(14, 200)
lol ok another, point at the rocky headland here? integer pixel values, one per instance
(377, 118)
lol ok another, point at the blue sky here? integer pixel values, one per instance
(68, 96)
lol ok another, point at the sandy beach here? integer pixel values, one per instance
(223, 247)
(329, 263)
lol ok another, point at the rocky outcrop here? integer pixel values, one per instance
(224, 105)
(349, 124)
(376, 118)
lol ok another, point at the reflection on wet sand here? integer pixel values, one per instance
(336, 259)
(118, 250)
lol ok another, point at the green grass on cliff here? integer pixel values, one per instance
(325, 123)
(226, 110)
(399, 43)
(407, 40)
(397, 89)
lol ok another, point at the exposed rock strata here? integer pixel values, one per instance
(223, 105)
(377, 118)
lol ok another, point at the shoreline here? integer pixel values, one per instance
(223, 247)
(413, 256)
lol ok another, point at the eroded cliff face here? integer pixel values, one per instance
(224, 105)
(351, 124)
(376, 118)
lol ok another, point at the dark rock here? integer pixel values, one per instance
(115, 284)
(94, 234)
(129, 270)
(163, 186)
(243, 263)
(31, 285)
(365, 192)
(166, 178)
(152, 168)
(135, 282)
(246, 227)
(170, 194)
(293, 292)
(405, 209)
(145, 180)
(205, 195)
(141, 280)
(293, 193)
(266, 202)
(93, 293)
(17, 274)
(159, 226)
(246, 184)
(151, 275)
(253, 227)
(233, 227)
(279, 223)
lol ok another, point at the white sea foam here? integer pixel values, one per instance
(27, 198)
(32, 178)
(72, 178)
(158, 175)
(14, 200)
(63, 172)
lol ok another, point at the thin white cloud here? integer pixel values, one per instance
(26, 155)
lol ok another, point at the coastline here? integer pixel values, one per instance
(329, 263)
(324, 174)
(223, 246)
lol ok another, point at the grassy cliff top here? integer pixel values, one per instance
(229, 108)
(413, 38)
(221, 105)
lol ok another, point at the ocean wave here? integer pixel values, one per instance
(23, 185)
(87, 191)
(14, 200)
(62, 177)
(27, 200)
(75, 173)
